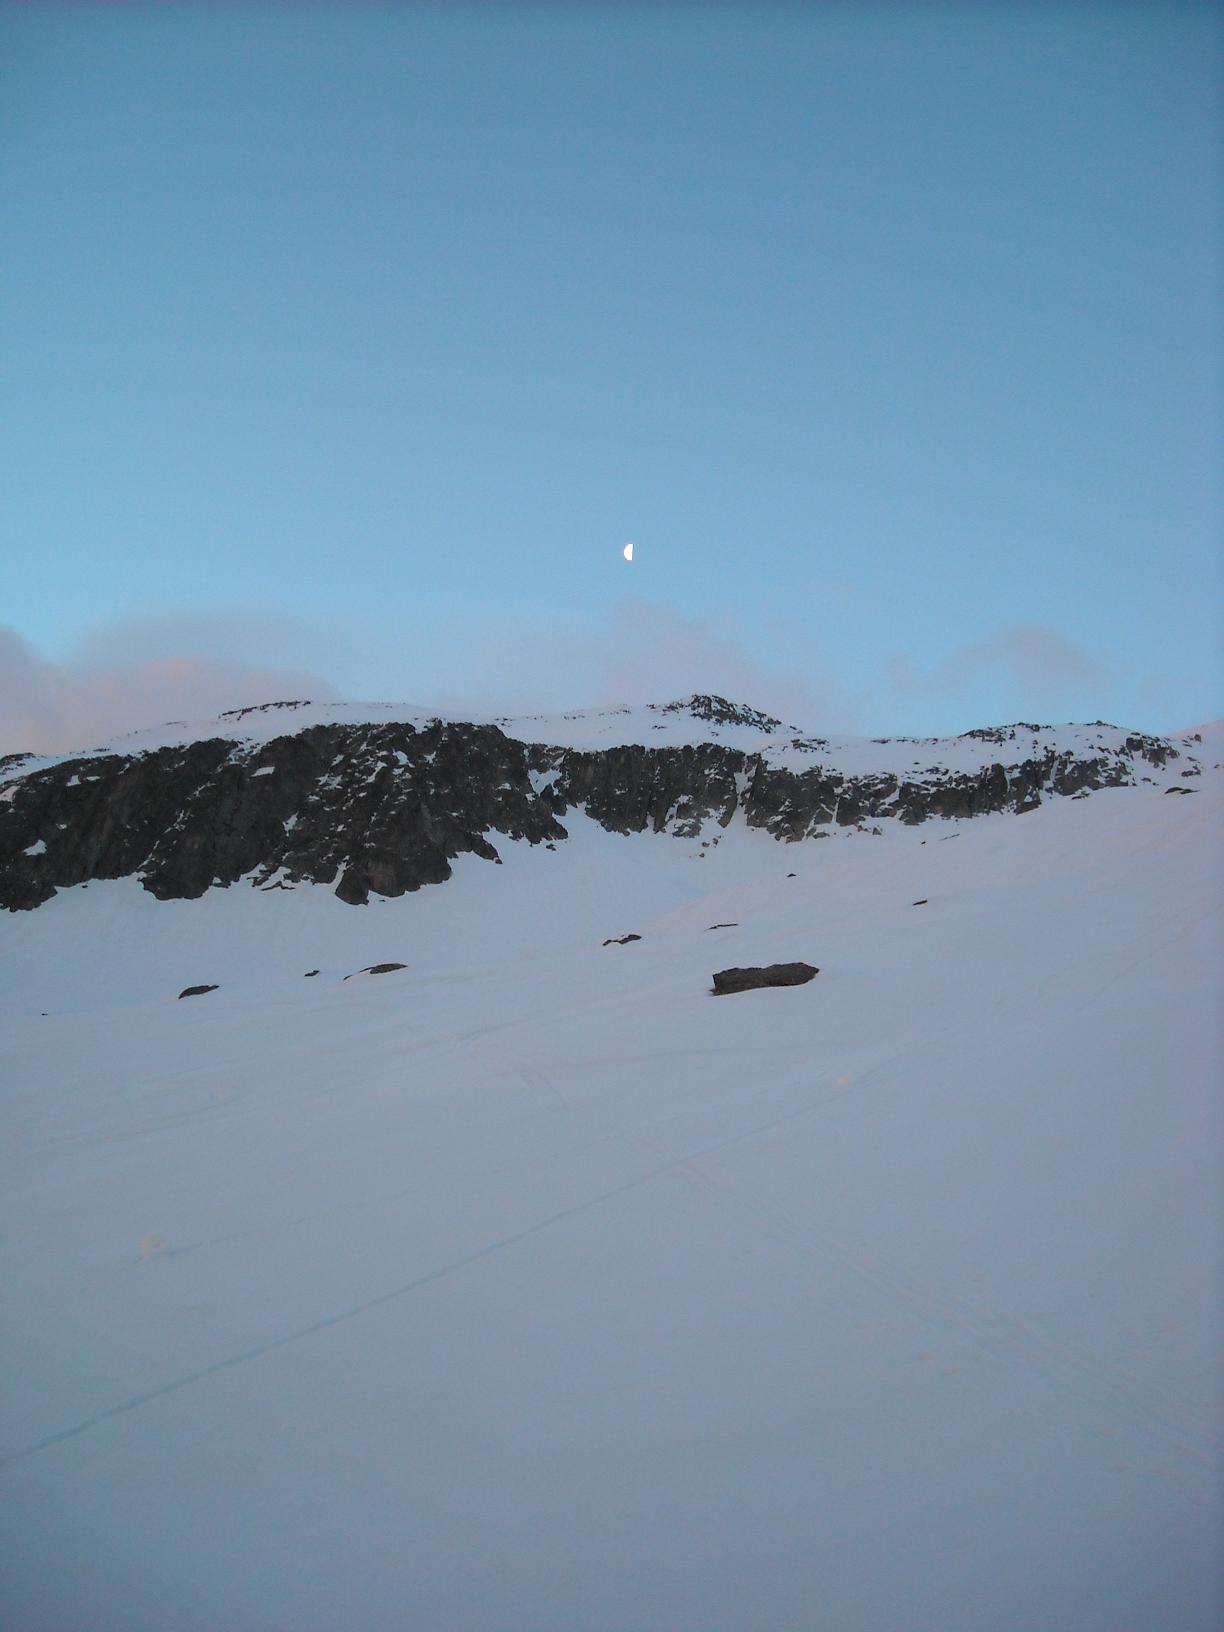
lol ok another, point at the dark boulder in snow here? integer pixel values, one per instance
(197, 991)
(376, 969)
(622, 940)
(769, 974)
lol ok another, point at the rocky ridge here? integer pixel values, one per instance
(383, 805)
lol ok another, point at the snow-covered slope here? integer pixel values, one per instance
(531, 1286)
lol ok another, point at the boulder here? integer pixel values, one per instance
(769, 974)
(376, 969)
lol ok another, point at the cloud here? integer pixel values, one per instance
(224, 634)
(190, 666)
(48, 707)
(1030, 667)
(142, 671)
(635, 651)
(652, 653)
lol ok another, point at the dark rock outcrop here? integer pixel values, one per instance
(264, 708)
(622, 940)
(634, 789)
(197, 991)
(718, 711)
(769, 974)
(376, 969)
(385, 809)
(373, 808)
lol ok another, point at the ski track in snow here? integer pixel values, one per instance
(998, 1331)
(259, 1350)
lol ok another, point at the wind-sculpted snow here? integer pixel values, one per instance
(385, 807)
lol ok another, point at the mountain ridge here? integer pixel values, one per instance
(380, 799)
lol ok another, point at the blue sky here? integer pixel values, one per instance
(345, 347)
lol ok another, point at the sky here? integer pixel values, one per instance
(343, 348)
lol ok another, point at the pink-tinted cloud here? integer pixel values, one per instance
(634, 651)
(639, 650)
(1034, 666)
(652, 652)
(48, 707)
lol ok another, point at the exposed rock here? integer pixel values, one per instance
(770, 974)
(721, 926)
(309, 973)
(632, 789)
(719, 711)
(1153, 749)
(921, 903)
(375, 969)
(1181, 790)
(622, 940)
(263, 708)
(382, 809)
(197, 991)
(385, 809)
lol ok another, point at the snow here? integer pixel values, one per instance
(533, 1287)
(38, 848)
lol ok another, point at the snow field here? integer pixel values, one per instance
(531, 1286)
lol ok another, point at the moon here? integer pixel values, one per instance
(627, 552)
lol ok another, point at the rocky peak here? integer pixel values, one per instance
(718, 711)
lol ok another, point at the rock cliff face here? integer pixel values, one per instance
(386, 808)
(630, 789)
